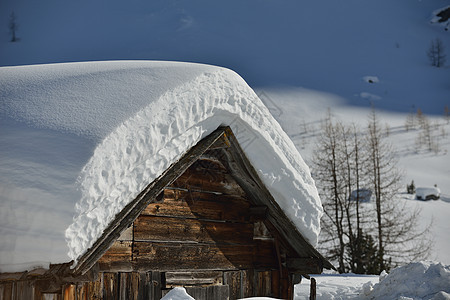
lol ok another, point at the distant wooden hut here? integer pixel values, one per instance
(207, 223)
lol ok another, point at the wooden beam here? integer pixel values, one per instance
(312, 292)
(133, 209)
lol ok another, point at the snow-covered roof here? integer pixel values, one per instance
(81, 140)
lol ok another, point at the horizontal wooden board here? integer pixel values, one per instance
(186, 256)
(200, 205)
(202, 278)
(120, 251)
(166, 256)
(208, 175)
(155, 228)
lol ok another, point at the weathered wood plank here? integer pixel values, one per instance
(6, 290)
(69, 291)
(232, 279)
(95, 289)
(198, 293)
(174, 279)
(167, 256)
(247, 284)
(264, 285)
(208, 175)
(190, 204)
(82, 291)
(117, 258)
(151, 228)
(218, 292)
(110, 286)
(191, 256)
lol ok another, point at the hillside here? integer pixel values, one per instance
(327, 45)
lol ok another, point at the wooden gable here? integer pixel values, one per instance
(203, 221)
(212, 196)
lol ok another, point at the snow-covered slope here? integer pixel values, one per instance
(95, 134)
(322, 45)
(425, 167)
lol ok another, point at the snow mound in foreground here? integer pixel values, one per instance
(420, 280)
(178, 293)
(137, 119)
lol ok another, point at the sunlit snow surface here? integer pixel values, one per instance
(93, 135)
(416, 281)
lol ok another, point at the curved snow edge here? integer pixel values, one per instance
(140, 149)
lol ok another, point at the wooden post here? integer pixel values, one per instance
(312, 292)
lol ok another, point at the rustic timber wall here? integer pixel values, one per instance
(203, 222)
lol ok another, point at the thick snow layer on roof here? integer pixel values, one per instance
(81, 140)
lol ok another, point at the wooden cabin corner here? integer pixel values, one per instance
(208, 224)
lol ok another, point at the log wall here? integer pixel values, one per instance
(202, 222)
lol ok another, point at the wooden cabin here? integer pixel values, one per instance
(207, 223)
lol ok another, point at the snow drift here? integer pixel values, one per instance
(178, 293)
(104, 130)
(420, 280)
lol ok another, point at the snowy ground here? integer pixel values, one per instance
(334, 286)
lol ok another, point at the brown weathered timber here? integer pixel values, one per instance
(117, 258)
(174, 279)
(191, 256)
(208, 175)
(69, 292)
(134, 208)
(247, 283)
(233, 280)
(151, 228)
(264, 283)
(110, 288)
(190, 204)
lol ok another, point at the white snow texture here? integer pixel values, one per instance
(130, 121)
(178, 293)
(419, 280)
